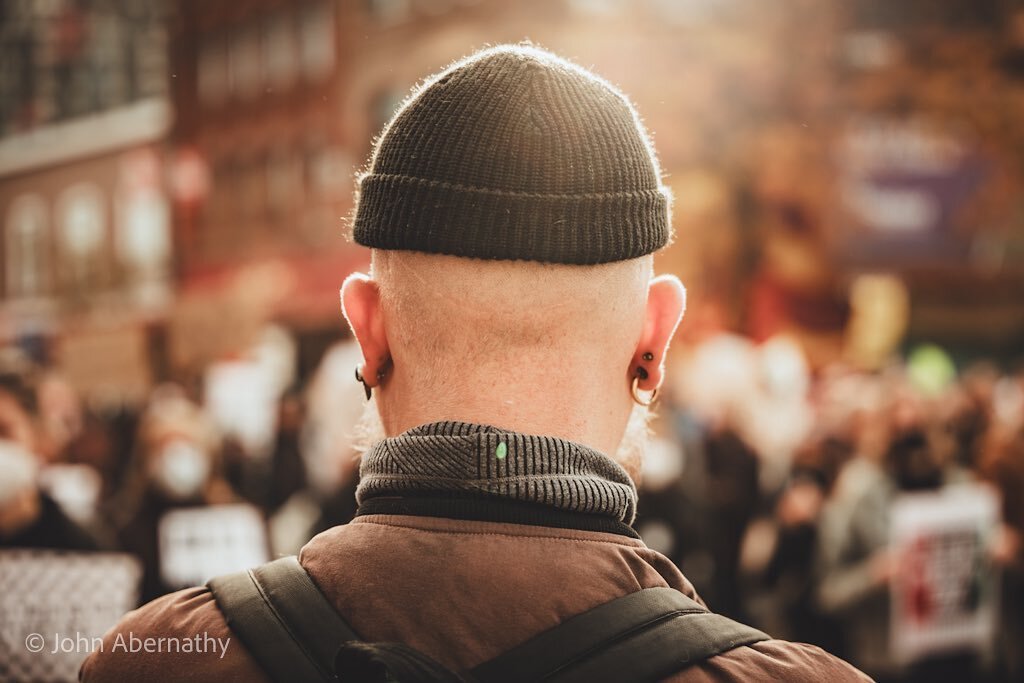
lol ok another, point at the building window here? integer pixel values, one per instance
(81, 234)
(280, 53)
(62, 60)
(142, 228)
(213, 70)
(220, 212)
(316, 47)
(245, 69)
(330, 171)
(284, 184)
(389, 11)
(26, 248)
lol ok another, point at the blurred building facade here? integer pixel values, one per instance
(810, 145)
(181, 173)
(278, 103)
(87, 242)
(259, 122)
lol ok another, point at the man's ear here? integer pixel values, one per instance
(666, 301)
(360, 302)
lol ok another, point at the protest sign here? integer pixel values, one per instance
(197, 544)
(56, 606)
(241, 398)
(945, 598)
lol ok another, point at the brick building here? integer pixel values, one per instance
(85, 254)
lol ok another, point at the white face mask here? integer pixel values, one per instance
(180, 469)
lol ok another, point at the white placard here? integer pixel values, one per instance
(56, 606)
(197, 544)
(241, 397)
(945, 598)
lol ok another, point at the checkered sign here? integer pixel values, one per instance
(197, 544)
(946, 596)
(55, 608)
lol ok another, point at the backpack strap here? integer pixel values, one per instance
(644, 636)
(295, 634)
(283, 619)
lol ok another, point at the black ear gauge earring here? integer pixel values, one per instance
(381, 372)
(366, 387)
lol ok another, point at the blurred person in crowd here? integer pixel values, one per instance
(287, 472)
(695, 506)
(1000, 460)
(268, 480)
(789, 571)
(732, 489)
(99, 446)
(17, 407)
(176, 466)
(512, 336)
(326, 442)
(966, 411)
(60, 415)
(898, 451)
(29, 517)
(82, 459)
(666, 516)
(741, 410)
(277, 483)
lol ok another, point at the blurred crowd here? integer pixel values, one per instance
(771, 486)
(83, 477)
(774, 489)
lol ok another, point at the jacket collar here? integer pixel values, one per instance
(459, 459)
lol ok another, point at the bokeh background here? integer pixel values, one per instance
(175, 184)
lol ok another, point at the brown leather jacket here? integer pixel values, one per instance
(459, 591)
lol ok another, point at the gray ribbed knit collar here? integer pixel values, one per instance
(457, 457)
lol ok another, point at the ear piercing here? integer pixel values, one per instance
(366, 387)
(641, 371)
(642, 374)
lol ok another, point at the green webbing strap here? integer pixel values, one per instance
(283, 619)
(644, 636)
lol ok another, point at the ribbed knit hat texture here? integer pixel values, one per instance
(515, 153)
